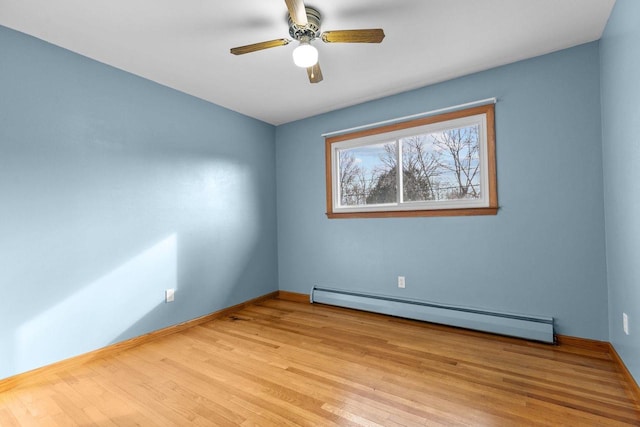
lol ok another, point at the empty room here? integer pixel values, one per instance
(299, 212)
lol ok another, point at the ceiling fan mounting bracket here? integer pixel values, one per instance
(309, 31)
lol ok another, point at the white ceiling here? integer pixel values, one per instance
(184, 44)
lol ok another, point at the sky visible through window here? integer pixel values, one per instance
(368, 157)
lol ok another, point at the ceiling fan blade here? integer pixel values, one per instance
(315, 73)
(374, 35)
(241, 50)
(297, 12)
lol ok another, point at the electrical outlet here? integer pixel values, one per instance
(625, 323)
(401, 282)
(169, 295)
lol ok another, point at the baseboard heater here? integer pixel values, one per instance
(535, 328)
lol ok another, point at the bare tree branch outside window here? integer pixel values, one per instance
(436, 166)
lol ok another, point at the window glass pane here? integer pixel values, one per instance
(441, 165)
(368, 175)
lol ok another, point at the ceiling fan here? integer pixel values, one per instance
(304, 26)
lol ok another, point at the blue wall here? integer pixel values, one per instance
(620, 59)
(544, 253)
(113, 189)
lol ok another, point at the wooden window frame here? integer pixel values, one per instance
(491, 209)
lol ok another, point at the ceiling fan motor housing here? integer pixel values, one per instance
(309, 31)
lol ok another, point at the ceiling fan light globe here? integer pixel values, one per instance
(305, 55)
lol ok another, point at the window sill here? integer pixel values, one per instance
(411, 214)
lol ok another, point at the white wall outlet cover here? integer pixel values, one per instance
(401, 282)
(169, 295)
(625, 323)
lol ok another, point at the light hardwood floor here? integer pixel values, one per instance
(286, 363)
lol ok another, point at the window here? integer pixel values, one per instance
(447, 168)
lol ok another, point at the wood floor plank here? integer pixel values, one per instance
(8, 419)
(284, 363)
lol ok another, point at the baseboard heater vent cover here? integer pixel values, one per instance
(537, 328)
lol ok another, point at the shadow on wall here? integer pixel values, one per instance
(100, 311)
(219, 253)
(234, 282)
(129, 300)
